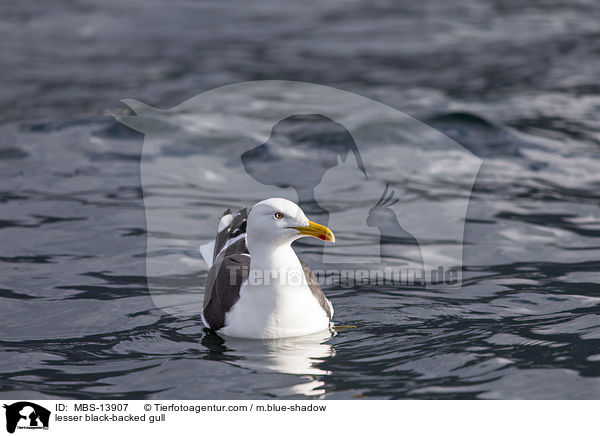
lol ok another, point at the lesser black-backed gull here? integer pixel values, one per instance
(257, 287)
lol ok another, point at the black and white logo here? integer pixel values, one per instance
(26, 415)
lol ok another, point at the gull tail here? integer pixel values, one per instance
(231, 237)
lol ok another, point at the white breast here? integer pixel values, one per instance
(275, 311)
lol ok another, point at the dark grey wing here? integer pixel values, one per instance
(231, 262)
(223, 285)
(235, 229)
(316, 290)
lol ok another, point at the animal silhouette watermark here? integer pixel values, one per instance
(26, 415)
(394, 190)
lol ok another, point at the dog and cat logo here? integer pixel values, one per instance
(26, 415)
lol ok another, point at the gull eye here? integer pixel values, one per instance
(278, 215)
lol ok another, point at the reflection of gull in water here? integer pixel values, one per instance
(295, 356)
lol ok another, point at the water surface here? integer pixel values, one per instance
(516, 86)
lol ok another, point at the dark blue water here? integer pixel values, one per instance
(516, 85)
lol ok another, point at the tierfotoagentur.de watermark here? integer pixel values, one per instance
(347, 278)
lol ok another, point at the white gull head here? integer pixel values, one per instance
(279, 222)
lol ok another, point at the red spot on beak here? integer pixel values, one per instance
(322, 237)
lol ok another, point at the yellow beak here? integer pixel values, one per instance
(317, 230)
